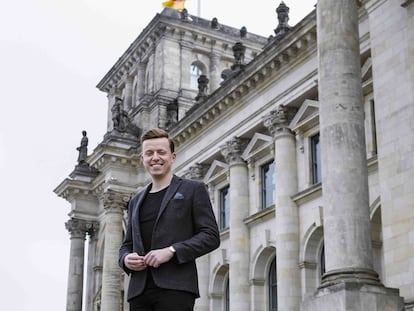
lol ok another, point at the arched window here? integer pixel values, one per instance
(196, 72)
(273, 286)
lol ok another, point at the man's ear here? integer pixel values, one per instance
(174, 156)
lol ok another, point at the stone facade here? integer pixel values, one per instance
(335, 229)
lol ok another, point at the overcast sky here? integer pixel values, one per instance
(53, 54)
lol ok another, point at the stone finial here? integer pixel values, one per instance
(202, 87)
(239, 51)
(283, 17)
(214, 23)
(243, 32)
(184, 15)
(277, 120)
(233, 149)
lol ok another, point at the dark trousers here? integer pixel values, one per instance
(158, 299)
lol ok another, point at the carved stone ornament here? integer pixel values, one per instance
(197, 171)
(233, 149)
(278, 120)
(79, 227)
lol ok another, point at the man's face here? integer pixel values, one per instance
(157, 157)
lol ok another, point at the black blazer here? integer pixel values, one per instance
(186, 221)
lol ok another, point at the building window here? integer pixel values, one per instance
(273, 286)
(227, 296)
(373, 127)
(196, 72)
(268, 184)
(224, 207)
(316, 159)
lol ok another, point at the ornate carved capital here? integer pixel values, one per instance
(197, 171)
(277, 121)
(115, 201)
(77, 227)
(233, 149)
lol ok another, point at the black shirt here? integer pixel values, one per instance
(147, 216)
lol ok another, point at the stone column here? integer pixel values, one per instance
(141, 80)
(114, 203)
(197, 172)
(239, 233)
(90, 279)
(77, 229)
(186, 57)
(128, 94)
(215, 75)
(287, 219)
(350, 282)
(344, 168)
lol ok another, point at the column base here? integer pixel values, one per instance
(354, 296)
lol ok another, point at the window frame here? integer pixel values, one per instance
(224, 210)
(315, 158)
(264, 187)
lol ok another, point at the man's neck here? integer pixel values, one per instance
(159, 184)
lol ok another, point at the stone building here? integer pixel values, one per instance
(305, 141)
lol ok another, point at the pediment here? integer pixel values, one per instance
(307, 115)
(217, 168)
(258, 143)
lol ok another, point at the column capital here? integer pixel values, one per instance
(277, 120)
(197, 171)
(233, 149)
(115, 200)
(77, 227)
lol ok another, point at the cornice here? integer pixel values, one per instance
(273, 61)
(105, 155)
(69, 189)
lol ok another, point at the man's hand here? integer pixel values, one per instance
(157, 257)
(135, 262)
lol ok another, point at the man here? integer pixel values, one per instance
(170, 224)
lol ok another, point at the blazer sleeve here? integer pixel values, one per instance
(206, 235)
(127, 243)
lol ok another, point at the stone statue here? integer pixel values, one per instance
(119, 116)
(83, 149)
